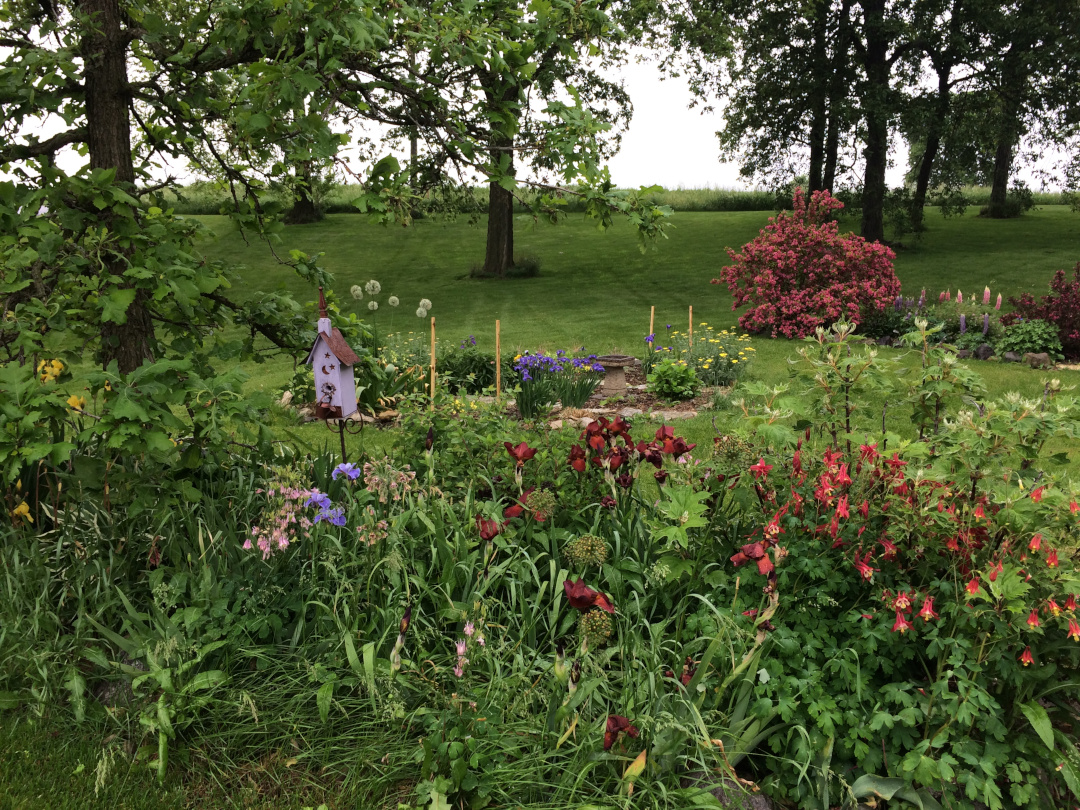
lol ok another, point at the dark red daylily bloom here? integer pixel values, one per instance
(625, 480)
(582, 597)
(577, 458)
(688, 671)
(404, 626)
(650, 453)
(521, 453)
(616, 723)
(488, 528)
(661, 476)
(608, 502)
(597, 441)
(677, 446)
(513, 511)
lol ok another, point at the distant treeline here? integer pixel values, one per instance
(208, 198)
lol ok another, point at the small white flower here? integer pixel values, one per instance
(393, 301)
(356, 292)
(373, 287)
(373, 305)
(421, 313)
(425, 304)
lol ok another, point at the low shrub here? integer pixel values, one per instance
(1061, 307)
(673, 379)
(801, 273)
(465, 368)
(1035, 336)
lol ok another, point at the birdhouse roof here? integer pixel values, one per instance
(336, 343)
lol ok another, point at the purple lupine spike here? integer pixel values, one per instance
(922, 298)
(963, 322)
(986, 324)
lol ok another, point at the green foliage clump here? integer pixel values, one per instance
(673, 379)
(466, 368)
(1034, 335)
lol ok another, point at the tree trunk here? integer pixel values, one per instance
(876, 153)
(499, 253)
(819, 91)
(108, 126)
(933, 144)
(837, 93)
(304, 210)
(1008, 133)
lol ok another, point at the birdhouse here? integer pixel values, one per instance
(332, 361)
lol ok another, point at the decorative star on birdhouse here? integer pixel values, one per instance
(332, 361)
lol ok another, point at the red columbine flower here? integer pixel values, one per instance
(616, 723)
(1026, 657)
(863, 566)
(902, 601)
(761, 469)
(1051, 558)
(1036, 495)
(864, 509)
(1074, 507)
(521, 453)
(979, 512)
(1074, 630)
(927, 611)
(894, 463)
(890, 549)
(584, 598)
(1053, 607)
(868, 452)
(842, 507)
(1033, 619)
(1036, 542)
(973, 586)
(996, 569)
(902, 625)
(1070, 603)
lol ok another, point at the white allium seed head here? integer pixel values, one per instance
(393, 301)
(421, 313)
(373, 287)
(356, 292)
(425, 304)
(373, 305)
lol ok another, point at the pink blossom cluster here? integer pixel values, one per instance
(283, 521)
(387, 483)
(801, 273)
(376, 530)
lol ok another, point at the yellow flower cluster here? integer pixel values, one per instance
(718, 356)
(76, 402)
(49, 370)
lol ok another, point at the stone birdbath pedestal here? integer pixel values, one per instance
(614, 381)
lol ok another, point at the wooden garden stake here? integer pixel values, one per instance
(432, 362)
(691, 326)
(652, 319)
(498, 362)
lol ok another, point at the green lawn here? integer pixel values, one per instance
(595, 289)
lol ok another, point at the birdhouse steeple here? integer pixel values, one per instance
(324, 317)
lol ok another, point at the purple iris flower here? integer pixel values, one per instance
(320, 499)
(335, 517)
(349, 469)
(649, 339)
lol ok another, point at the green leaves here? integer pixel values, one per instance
(1040, 721)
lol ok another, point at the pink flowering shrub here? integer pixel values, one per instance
(801, 273)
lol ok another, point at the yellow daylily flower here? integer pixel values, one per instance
(22, 511)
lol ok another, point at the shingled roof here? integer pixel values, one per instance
(338, 346)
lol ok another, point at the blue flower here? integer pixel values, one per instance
(348, 469)
(335, 517)
(650, 338)
(320, 499)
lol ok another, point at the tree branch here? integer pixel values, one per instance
(47, 147)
